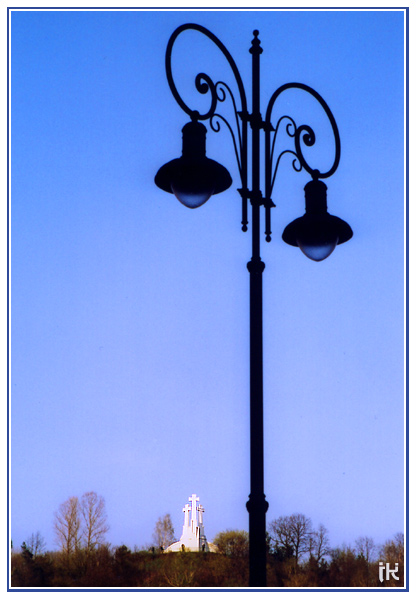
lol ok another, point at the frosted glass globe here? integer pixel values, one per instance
(317, 242)
(193, 185)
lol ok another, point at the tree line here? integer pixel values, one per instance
(297, 556)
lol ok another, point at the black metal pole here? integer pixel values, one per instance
(256, 505)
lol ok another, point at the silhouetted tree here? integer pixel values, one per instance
(36, 544)
(27, 555)
(292, 536)
(365, 546)
(319, 543)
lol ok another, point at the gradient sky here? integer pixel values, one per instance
(130, 312)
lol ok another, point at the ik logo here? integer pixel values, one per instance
(388, 572)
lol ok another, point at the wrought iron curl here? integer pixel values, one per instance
(222, 90)
(296, 164)
(216, 126)
(304, 133)
(289, 125)
(203, 82)
(291, 129)
(309, 138)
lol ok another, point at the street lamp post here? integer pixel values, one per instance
(193, 178)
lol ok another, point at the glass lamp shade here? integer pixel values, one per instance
(192, 185)
(317, 233)
(316, 238)
(193, 177)
(193, 181)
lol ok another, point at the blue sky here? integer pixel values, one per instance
(129, 312)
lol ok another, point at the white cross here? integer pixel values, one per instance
(194, 499)
(186, 511)
(200, 514)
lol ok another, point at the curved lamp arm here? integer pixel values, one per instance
(203, 82)
(305, 132)
(217, 90)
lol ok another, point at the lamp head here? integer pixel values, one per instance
(317, 233)
(193, 177)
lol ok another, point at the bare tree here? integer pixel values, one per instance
(393, 552)
(67, 526)
(280, 534)
(293, 534)
(94, 520)
(319, 543)
(163, 534)
(36, 544)
(365, 546)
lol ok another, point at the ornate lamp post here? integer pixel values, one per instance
(193, 178)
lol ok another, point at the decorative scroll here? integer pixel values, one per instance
(302, 135)
(222, 92)
(203, 82)
(218, 93)
(290, 129)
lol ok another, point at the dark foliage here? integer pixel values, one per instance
(121, 567)
(124, 568)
